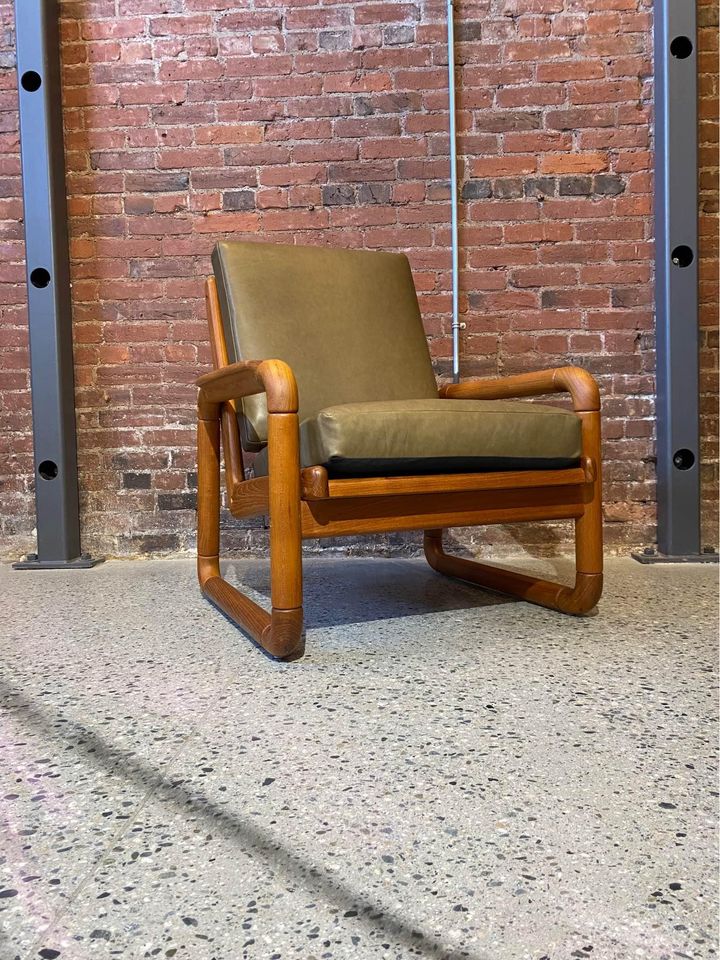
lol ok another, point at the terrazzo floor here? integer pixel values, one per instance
(446, 774)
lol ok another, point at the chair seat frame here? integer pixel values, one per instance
(305, 503)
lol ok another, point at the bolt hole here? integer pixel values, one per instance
(48, 469)
(683, 459)
(40, 277)
(31, 81)
(682, 256)
(681, 48)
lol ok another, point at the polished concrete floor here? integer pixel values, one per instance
(447, 774)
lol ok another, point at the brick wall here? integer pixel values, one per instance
(191, 120)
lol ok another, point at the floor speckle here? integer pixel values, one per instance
(446, 774)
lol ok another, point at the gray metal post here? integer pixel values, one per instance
(676, 259)
(48, 284)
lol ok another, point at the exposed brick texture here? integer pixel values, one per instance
(325, 122)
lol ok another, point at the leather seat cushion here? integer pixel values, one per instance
(411, 437)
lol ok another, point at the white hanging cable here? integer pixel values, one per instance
(456, 325)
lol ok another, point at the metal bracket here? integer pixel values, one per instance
(650, 555)
(48, 284)
(32, 562)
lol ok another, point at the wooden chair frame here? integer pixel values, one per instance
(307, 504)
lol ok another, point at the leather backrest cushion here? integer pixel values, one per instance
(346, 321)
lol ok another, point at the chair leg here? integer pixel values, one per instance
(585, 593)
(280, 633)
(578, 599)
(286, 588)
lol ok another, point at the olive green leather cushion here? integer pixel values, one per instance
(346, 321)
(410, 437)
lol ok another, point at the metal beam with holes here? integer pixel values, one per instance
(48, 284)
(676, 258)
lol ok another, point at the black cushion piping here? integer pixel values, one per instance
(345, 467)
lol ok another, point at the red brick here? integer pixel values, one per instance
(503, 166)
(574, 163)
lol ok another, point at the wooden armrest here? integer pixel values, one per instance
(581, 386)
(243, 379)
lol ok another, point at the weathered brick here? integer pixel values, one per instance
(399, 34)
(507, 189)
(238, 200)
(374, 193)
(575, 186)
(476, 190)
(335, 40)
(154, 543)
(156, 182)
(540, 187)
(137, 481)
(467, 30)
(338, 195)
(176, 501)
(608, 184)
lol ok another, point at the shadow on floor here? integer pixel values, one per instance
(253, 840)
(362, 590)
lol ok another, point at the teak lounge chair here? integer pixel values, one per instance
(323, 370)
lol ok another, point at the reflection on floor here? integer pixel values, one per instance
(446, 774)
